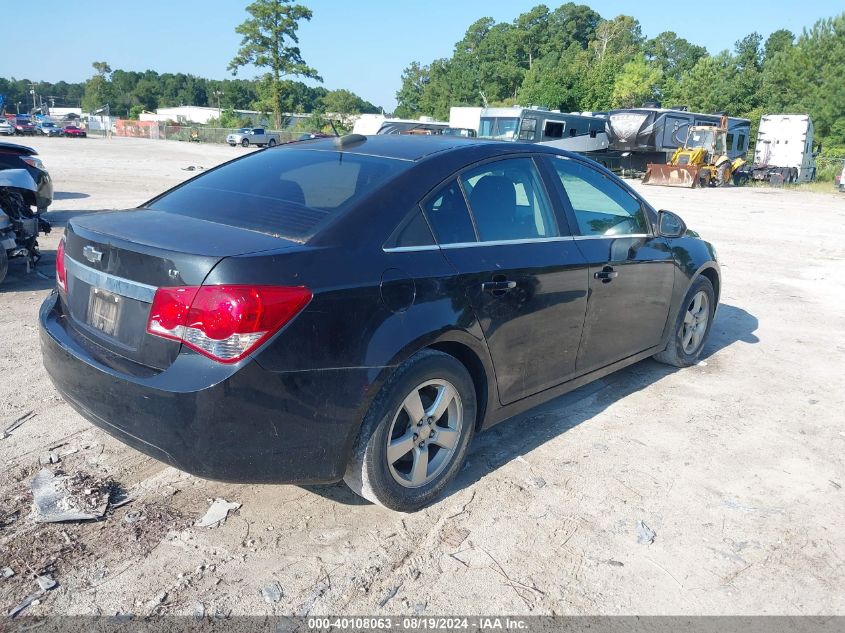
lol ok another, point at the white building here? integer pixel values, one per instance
(192, 114)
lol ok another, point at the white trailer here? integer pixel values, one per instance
(465, 118)
(784, 148)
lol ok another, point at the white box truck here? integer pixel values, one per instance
(784, 149)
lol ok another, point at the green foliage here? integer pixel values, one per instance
(270, 40)
(638, 81)
(571, 59)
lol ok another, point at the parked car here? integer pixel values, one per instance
(13, 156)
(335, 309)
(840, 179)
(253, 136)
(24, 127)
(6, 128)
(48, 128)
(74, 131)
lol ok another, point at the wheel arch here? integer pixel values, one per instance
(712, 275)
(474, 365)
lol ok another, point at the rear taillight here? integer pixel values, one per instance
(61, 271)
(225, 323)
(33, 162)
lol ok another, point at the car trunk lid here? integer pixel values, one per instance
(116, 261)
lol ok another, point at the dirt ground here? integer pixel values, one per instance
(736, 464)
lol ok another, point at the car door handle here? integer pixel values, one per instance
(606, 275)
(498, 287)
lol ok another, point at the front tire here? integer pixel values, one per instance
(415, 436)
(245, 142)
(692, 327)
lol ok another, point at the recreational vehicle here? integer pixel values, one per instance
(379, 124)
(576, 132)
(651, 135)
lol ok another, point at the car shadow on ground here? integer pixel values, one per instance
(69, 195)
(523, 433)
(40, 277)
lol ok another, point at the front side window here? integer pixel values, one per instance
(448, 215)
(508, 201)
(601, 207)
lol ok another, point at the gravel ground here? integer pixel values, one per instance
(736, 465)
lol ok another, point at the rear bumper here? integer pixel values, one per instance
(231, 423)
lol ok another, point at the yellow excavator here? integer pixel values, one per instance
(702, 161)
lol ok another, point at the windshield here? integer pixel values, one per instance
(499, 128)
(287, 193)
(700, 138)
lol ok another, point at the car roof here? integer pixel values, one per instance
(411, 147)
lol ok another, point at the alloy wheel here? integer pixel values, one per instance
(425, 433)
(696, 319)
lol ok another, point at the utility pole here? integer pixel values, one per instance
(218, 94)
(32, 92)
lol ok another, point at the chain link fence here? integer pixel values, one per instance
(181, 132)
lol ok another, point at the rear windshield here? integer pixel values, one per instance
(288, 193)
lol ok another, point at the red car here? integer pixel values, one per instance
(72, 130)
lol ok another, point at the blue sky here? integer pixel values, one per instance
(362, 46)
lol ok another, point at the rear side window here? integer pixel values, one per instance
(448, 215)
(413, 231)
(289, 193)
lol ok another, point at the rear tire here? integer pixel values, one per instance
(692, 326)
(271, 143)
(415, 436)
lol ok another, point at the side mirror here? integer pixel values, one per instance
(670, 224)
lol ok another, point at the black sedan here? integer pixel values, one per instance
(357, 308)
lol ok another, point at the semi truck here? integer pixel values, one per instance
(784, 151)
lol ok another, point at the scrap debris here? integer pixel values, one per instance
(25, 417)
(49, 458)
(645, 535)
(60, 498)
(45, 584)
(272, 593)
(217, 513)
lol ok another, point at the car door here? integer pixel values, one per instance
(519, 267)
(631, 271)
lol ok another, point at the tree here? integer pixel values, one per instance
(98, 88)
(270, 41)
(571, 24)
(636, 83)
(415, 78)
(780, 40)
(621, 37)
(674, 55)
(555, 81)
